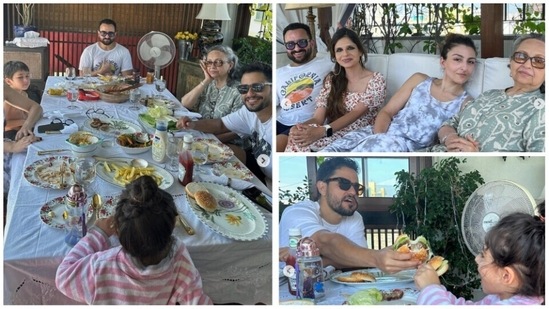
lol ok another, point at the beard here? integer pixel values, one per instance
(264, 103)
(337, 205)
(305, 59)
(107, 41)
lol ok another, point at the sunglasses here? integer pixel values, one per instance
(216, 63)
(105, 33)
(301, 43)
(345, 184)
(256, 87)
(537, 62)
(67, 122)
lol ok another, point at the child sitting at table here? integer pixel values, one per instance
(511, 266)
(17, 76)
(150, 267)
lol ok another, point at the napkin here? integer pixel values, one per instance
(62, 114)
(235, 183)
(70, 128)
(180, 113)
(31, 34)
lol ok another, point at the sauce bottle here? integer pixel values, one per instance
(186, 162)
(160, 141)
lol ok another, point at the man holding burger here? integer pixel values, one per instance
(333, 223)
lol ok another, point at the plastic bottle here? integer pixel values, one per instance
(186, 163)
(295, 236)
(160, 141)
(310, 283)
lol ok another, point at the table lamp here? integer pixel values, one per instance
(210, 34)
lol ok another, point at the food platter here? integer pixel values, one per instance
(46, 173)
(107, 209)
(115, 127)
(109, 176)
(217, 151)
(51, 213)
(382, 279)
(233, 170)
(236, 217)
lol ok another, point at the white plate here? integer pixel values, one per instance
(381, 277)
(55, 207)
(233, 170)
(167, 178)
(217, 151)
(236, 217)
(46, 173)
(116, 128)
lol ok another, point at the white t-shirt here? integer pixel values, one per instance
(119, 57)
(297, 89)
(245, 123)
(306, 216)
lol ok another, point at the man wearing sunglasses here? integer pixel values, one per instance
(298, 83)
(106, 57)
(251, 120)
(334, 223)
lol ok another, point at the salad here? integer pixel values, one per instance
(158, 112)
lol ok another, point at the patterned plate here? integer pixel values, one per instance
(107, 209)
(46, 173)
(115, 128)
(236, 217)
(218, 152)
(109, 176)
(233, 170)
(381, 277)
(51, 213)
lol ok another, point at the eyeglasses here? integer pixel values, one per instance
(537, 62)
(216, 63)
(93, 113)
(67, 122)
(302, 43)
(256, 87)
(105, 33)
(345, 184)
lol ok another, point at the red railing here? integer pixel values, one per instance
(70, 45)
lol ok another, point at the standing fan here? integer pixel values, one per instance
(487, 205)
(156, 50)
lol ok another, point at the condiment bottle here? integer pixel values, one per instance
(160, 141)
(150, 77)
(295, 236)
(74, 204)
(310, 271)
(186, 162)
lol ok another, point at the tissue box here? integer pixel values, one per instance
(31, 42)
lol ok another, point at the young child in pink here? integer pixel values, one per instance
(149, 267)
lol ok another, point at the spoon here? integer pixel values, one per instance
(96, 204)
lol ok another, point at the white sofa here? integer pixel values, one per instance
(491, 73)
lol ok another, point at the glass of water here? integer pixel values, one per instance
(160, 85)
(72, 96)
(70, 73)
(135, 97)
(172, 153)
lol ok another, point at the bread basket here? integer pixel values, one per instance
(106, 92)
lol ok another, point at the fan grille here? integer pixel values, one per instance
(156, 50)
(487, 205)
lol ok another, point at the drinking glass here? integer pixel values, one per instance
(70, 73)
(200, 155)
(84, 172)
(135, 96)
(172, 151)
(72, 96)
(160, 85)
(87, 75)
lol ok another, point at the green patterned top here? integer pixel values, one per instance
(215, 103)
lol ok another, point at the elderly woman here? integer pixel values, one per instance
(216, 96)
(512, 119)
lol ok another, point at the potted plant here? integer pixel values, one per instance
(250, 49)
(25, 11)
(431, 204)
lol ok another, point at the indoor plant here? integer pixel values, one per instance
(185, 42)
(431, 204)
(25, 11)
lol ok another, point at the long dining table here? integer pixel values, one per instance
(233, 271)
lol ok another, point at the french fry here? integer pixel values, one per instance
(106, 166)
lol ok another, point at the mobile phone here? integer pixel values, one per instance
(50, 127)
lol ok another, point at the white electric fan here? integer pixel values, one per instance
(489, 203)
(156, 50)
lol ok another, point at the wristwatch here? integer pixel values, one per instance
(329, 130)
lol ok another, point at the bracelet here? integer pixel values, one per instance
(442, 140)
(203, 83)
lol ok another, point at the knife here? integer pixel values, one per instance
(43, 152)
(186, 225)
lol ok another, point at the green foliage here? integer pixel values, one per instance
(287, 197)
(431, 204)
(470, 22)
(250, 49)
(532, 23)
(266, 32)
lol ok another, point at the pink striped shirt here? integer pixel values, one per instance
(94, 273)
(438, 295)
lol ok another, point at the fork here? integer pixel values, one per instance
(62, 171)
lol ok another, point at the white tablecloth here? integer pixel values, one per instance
(232, 271)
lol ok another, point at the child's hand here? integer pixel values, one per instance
(107, 225)
(425, 276)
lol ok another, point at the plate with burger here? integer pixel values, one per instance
(373, 277)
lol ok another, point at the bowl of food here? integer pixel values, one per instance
(135, 143)
(114, 93)
(83, 143)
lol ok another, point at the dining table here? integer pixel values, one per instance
(234, 270)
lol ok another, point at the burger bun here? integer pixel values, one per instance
(439, 264)
(205, 200)
(192, 187)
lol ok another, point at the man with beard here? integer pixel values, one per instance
(334, 224)
(252, 120)
(299, 83)
(106, 57)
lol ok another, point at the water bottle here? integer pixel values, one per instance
(310, 282)
(295, 236)
(75, 200)
(160, 141)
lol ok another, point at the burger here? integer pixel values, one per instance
(419, 247)
(439, 264)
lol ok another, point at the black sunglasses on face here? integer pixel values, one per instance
(301, 43)
(256, 87)
(105, 33)
(345, 184)
(537, 62)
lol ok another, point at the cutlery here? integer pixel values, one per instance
(96, 205)
(62, 171)
(43, 152)
(186, 225)
(53, 132)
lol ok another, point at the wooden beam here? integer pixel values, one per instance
(491, 30)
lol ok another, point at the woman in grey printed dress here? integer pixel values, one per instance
(511, 119)
(410, 120)
(216, 96)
